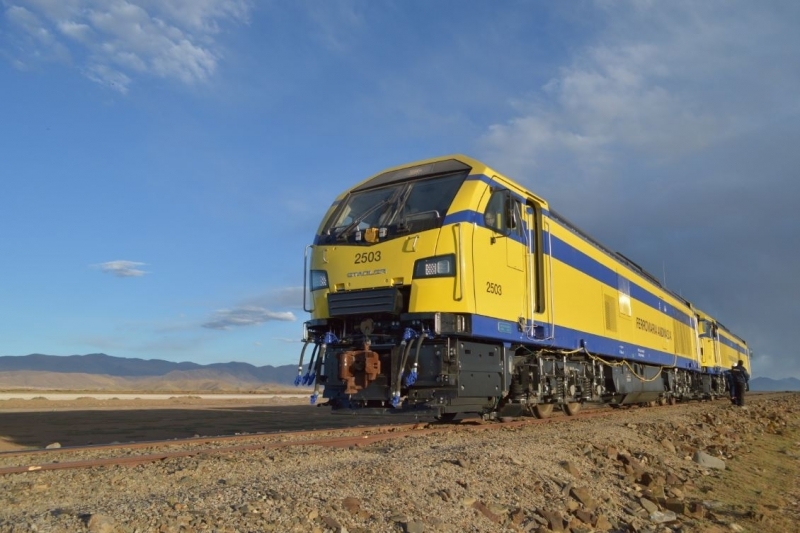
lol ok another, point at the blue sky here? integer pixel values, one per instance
(163, 163)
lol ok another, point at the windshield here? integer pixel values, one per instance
(399, 208)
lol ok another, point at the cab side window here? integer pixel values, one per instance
(493, 215)
(504, 214)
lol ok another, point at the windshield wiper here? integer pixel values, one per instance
(347, 230)
(401, 203)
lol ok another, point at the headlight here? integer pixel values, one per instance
(319, 280)
(435, 267)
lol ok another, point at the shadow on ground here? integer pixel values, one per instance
(77, 428)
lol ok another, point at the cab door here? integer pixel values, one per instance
(709, 343)
(500, 259)
(538, 313)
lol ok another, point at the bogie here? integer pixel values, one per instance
(543, 410)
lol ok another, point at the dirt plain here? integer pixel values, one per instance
(634, 470)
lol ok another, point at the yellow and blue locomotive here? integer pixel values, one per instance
(443, 284)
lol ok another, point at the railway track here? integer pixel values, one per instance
(137, 453)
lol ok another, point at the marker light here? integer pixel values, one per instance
(435, 267)
(319, 280)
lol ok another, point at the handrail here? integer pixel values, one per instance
(697, 343)
(550, 280)
(460, 257)
(531, 281)
(305, 280)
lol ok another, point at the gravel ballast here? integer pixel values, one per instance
(633, 470)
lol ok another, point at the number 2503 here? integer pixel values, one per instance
(494, 288)
(368, 257)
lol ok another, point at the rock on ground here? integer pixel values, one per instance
(630, 470)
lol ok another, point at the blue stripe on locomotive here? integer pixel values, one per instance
(488, 327)
(732, 344)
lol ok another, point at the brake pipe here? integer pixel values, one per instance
(310, 376)
(406, 347)
(315, 395)
(628, 365)
(408, 335)
(329, 338)
(298, 379)
(404, 362)
(412, 377)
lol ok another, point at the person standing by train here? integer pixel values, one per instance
(731, 384)
(740, 378)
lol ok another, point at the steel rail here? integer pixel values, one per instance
(196, 440)
(364, 436)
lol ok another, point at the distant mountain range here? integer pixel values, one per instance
(767, 384)
(106, 372)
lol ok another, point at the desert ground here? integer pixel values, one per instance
(630, 470)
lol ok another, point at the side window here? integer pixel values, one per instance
(624, 288)
(493, 216)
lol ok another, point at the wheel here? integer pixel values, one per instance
(571, 409)
(446, 417)
(543, 410)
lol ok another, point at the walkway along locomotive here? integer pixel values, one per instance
(443, 284)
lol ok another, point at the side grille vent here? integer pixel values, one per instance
(610, 312)
(388, 301)
(683, 342)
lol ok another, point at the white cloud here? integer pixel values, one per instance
(109, 77)
(112, 41)
(336, 23)
(286, 340)
(246, 316)
(663, 80)
(203, 15)
(291, 297)
(78, 32)
(23, 18)
(122, 269)
(39, 42)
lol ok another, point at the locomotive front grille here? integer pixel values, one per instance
(388, 300)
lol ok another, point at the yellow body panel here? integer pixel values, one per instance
(587, 304)
(731, 356)
(384, 264)
(449, 294)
